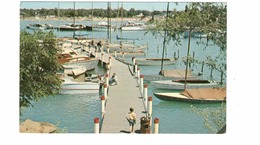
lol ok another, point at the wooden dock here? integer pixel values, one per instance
(120, 98)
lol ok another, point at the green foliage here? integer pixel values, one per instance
(38, 66)
(85, 12)
(206, 18)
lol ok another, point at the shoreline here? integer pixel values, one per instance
(85, 19)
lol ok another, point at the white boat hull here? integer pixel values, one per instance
(150, 62)
(133, 28)
(79, 88)
(89, 64)
(169, 84)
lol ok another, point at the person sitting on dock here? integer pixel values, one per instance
(99, 45)
(131, 118)
(113, 80)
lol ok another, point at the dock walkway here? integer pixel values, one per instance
(120, 98)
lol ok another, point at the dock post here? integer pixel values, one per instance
(221, 77)
(138, 74)
(135, 67)
(202, 66)
(102, 59)
(115, 53)
(156, 125)
(211, 71)
(108, 71)
(150, 104)
(106, 79)
(123, 53)
(108, 66)
(145, 95)
(108, 49)
(96, 125)
(105, 90)
(110, 61)
(133, 61)
(141, 83)
(178, 53)
(103, 99)
(174, 55)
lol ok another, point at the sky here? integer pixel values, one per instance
(144, 5)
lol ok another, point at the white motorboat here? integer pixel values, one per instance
(74, 82)
(133, 26)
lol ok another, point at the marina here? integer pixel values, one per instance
(78, 112)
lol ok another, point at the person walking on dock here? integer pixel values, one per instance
(131, 118)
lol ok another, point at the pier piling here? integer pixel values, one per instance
(96, 125)
(156, 125)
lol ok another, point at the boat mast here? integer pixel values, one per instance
(164, 40)
(74, 21)
(122, 14)
(110, 25)
(58, 18)
(118, 11)
(187, 60)
(108, 20)
(92, 20)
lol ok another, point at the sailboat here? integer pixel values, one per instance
(200, 95)
(175, 74)
(200, 90)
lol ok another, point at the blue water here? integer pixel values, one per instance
(75, 113)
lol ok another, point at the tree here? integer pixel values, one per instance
(207, 18)
(38, 67)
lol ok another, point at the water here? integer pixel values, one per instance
(75, 113)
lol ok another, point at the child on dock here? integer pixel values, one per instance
(131, 118)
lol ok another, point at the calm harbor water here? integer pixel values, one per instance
(75, 113)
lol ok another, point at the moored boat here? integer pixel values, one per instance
(195, 95)
(78, 61)
(171, 75)
(72, 27)
(36, 26)
(133, 26)
(101, 26)
(74, 82)
(155, 61)
(179, 84)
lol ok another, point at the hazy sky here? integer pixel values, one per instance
(144, 5)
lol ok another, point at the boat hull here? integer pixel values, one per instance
(169, 84)
(180, 97)
(89, 64)
(154, 62)
(79, 88)
(160, 77)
